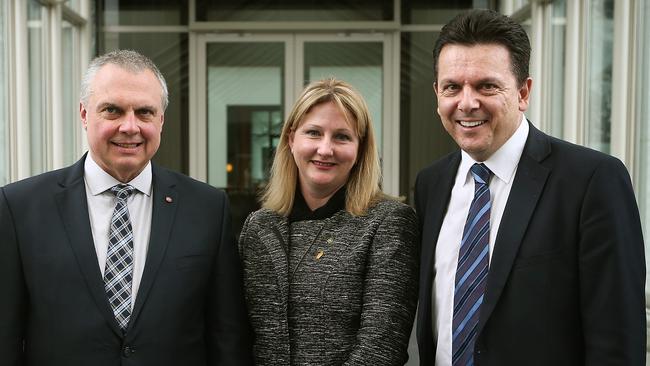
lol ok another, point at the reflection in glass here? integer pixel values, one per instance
(294, 10)
(37, 87)
(599, 74)
(245, 88)
(642, 161)
(422, 137)
(436, 11)
(4, 118)
(143, 12)
(69, 53)
(558, 34)
(358, 63)
(169, 52)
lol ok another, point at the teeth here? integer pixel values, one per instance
(471, 123)
(323, 163)
(126, 145)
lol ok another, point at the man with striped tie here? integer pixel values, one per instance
(532, 252)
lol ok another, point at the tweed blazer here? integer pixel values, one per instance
(352, 296)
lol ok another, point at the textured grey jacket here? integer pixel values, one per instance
(350, 300)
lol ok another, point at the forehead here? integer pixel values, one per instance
(491, 60)
(328, 114)
(115, 84)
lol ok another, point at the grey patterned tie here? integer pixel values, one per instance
(118, 274)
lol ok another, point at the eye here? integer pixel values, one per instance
(489, 87)
(312, 133)
(450, 88)
(343, 137)
(112, 110)
(145, 113)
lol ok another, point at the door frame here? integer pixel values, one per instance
(294, 71)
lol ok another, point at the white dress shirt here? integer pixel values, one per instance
(101, 204)
(503, 163)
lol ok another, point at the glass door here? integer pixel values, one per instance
(358, 60)
(244, 86)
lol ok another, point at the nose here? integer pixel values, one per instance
(129, 124)
(325, 147)
(468, 100)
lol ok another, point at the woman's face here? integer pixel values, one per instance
(325, 148)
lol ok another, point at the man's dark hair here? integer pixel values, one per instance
(480, 26)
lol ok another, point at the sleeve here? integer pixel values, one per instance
(230, 336)
(612, 270)
(13, 301)
(390, 292)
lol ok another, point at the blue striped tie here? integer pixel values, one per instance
(472, 270)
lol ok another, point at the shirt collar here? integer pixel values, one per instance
(99, 181)
(503, 163)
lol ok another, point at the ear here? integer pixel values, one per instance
(524, 94)
(162, 121)
(291, 136)
(83, 113)
(435, 90)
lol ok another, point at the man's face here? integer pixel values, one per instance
(479, 101)
(123, 119)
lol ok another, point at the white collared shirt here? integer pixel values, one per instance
(101, 204)
(503, 163)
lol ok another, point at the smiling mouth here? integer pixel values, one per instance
(470, 124)
(127, 145)
(322, 163)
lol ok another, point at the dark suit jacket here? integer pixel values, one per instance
(566, 279)
(53, 309)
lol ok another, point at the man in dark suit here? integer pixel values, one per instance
(114, 260)
(532, 252)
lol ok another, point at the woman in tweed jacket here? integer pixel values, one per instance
(330, 263)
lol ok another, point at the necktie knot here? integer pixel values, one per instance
(122, 191)
(481, 173)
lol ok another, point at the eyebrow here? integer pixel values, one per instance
(489, 80)
(139, 108)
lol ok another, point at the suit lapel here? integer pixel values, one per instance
(438, 195)
(165, 202)
(73, 209)
(525, 193)
(278, 252)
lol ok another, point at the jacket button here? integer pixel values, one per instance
(127, 351)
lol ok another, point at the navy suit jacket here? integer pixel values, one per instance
(566, 279)
(54, 311)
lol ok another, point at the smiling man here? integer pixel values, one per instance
(532, 252)
(115, 260)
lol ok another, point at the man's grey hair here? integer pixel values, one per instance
(129, 60)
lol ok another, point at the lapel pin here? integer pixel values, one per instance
(168, 199)
(319, 254)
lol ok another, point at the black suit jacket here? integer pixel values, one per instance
(566, 279)
(53, 309)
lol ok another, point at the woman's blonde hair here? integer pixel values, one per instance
(364, 181)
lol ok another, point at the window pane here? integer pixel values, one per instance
(642, 161)
(422, 137)
(294, 10)
(37, 88)
(599, 74)
(558, 34)
(436, 11)
(70, 54)
(358, 63)
(4, 118)
(244, 92)
(143, 12)
(169, 52)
